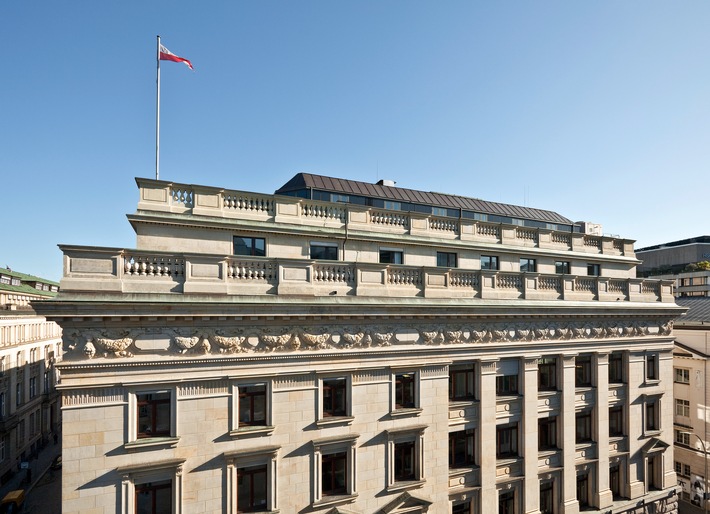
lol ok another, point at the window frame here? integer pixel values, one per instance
(547, 367)
(167, 398)
(391, 252)
(583, 371)
(239, 427)
(682, 407)
(681, 437)
(250, 458)
(330, 446)
(652, 415)
(617, 416)
(511, 432)
(584, 431)
(136, 475)
(327, 249)
(507, 385)
(323, 416)
(490, 262)
(133, 441)
(398, 382)
(445, 259)
(616, 368)
(469, 374)
(468, 437)
(562, 267)
(254, 251)
(404, 437)
(651, 370)
(594, 270)
(544, 426)
(679, 375)
(528, 265)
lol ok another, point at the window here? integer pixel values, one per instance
(562, 267)
(547, 433)
(681, 375)
(682, 408)
(391, 256)
(506, 385)
(583, 371)
(506, 502)
(252, 405)
(251, 489)
(251, 479)
(616, 368)
(489, 262)
(462, 446)
(404, 446)
(18, 394)
(528, 265)
(583, 489)
(583, 424)
(2, 404)
(154, 497)
(33, 387)
(547, 503)
(335, 397)
(616, 421)
(652, 367)
(335, 468)
(593, 270)
(652, 413)
(153, 415)
(324, 251)
(615, 481)
(253, 246)
(461, 508)
(507, 441)
(682, 469)
(446, 259)
(405, 391)
(682, 437)
(461, 383)
(547, 374)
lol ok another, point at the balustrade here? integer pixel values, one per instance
(526, 234)
(331, 273)
(487, 230)
(592, 242)
(154, 266)
(509, 281)
(183, 196)
(245, 203)
(404, 276)
(463, 279)
(443, 225)
(324, 212)
(561, 238)
(586, 284)
(391, 219)
(262, 270)
(549, 283)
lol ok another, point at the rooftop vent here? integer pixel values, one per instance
(383, 182)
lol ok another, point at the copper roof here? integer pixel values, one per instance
(401, 194)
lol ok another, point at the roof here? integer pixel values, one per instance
(26, 282)
(680, 242)
(400, 194)
(698, 309)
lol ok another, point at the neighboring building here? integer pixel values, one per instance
(690, 372)
(678, 261)
(344, 347)
(29, 347)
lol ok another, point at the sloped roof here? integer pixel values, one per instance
(25, 286)
(698, 309)
(400, 194)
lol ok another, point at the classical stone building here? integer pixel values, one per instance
(343, 347)
(29, 347)
(690, 376)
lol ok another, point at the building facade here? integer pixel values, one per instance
(29, 348)
(690, 377)
(343, 347)
(679, 261)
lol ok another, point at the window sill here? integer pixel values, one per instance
(458, 404)
(548, 452)
(251, 430)
(651, 433)
(335, 420)
(335, 500)
(651, 382)
(507, 397)
(462, 470)
(507, 460)
(404, 413)
(151, 443)
(405, 485)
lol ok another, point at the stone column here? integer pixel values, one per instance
(530, 448)
(604, 496)
(569, 445)
(489, 494)
(636, 377)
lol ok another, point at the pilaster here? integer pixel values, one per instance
(604, 496)
(569, 472)
(489, 494)
(531, 496)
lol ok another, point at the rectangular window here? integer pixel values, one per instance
(593, 270)
(506, 385)
(615, 481)
(547, 433)
(324, 252)
(651, 367)
(251, 489)
(252, 246)
(404, 461)
(391, 256)
(547, 503)
(335, 397)
(489, 262)
(18, 394)
(686, 470)
(681, 375)
(33, 387)
(446, 259)
(682, 437)
(461, 384)
(547, 374)
(583, 490)
(507, 441)
(583, 425)
(616, 421)
(153, 414)
(252, 405)
(652, 416)
(154, 497)
(461, 448)
(583, 371)
(461, 508)
(334, 477)
(506, 502)
(528, 265)
(2, 404)
(616, 368)
(405, 391)
(682, 408)
(562, 267)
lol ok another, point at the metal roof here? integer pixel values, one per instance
(344, 186)
(698, 309)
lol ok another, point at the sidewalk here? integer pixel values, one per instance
(39, 467)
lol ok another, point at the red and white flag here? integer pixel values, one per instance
(167, 55)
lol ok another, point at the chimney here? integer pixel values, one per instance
(388, 183)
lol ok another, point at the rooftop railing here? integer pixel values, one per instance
(159, 196)
(134, 271)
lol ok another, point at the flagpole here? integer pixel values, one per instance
(157, 117)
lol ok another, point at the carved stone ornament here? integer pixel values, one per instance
(187, 341)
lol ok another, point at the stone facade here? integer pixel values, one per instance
(276, 381)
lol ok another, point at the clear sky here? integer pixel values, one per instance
(598, 110)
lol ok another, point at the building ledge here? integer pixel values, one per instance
(152, 443)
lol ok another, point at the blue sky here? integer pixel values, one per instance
(597, 110)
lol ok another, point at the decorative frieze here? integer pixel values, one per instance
(202, 389)
(294, 382)
(91, 397)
